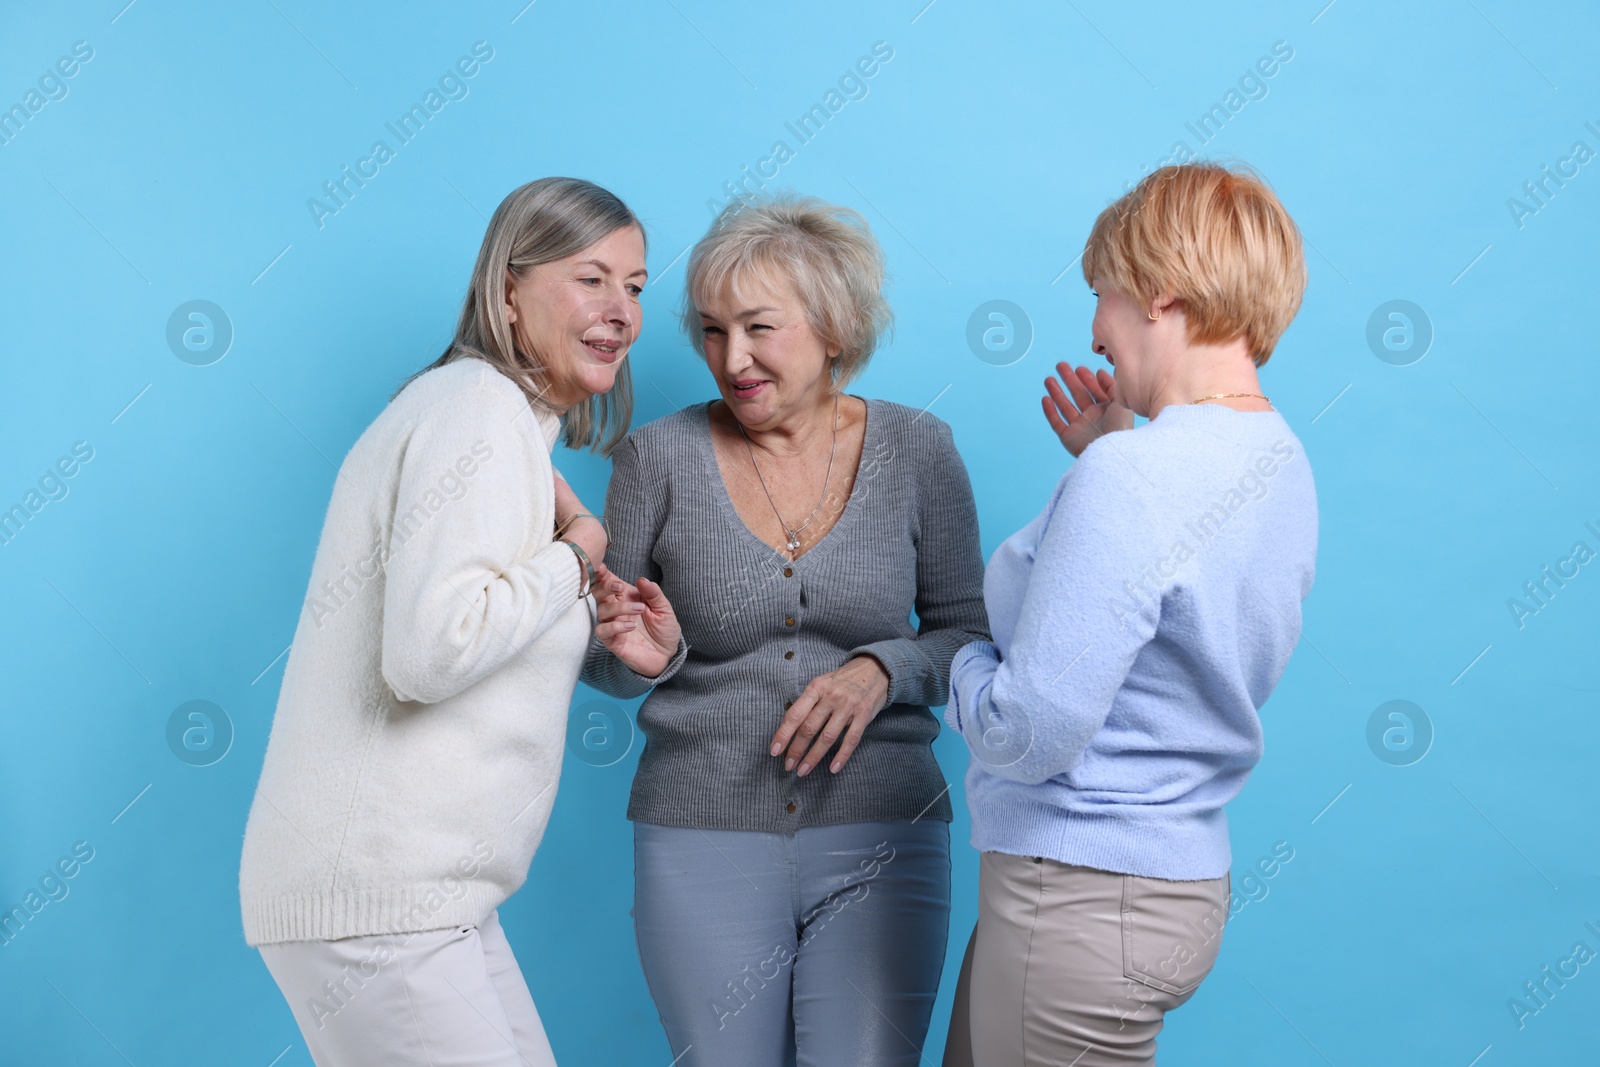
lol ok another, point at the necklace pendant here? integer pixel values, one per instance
(794, 542)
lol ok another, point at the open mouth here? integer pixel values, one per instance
(604, 350)
(746, 389)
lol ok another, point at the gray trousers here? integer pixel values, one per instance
(821, 948)
(1075, 967)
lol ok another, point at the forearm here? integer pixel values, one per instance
(1015, 728)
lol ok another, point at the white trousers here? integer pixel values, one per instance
(444, 998)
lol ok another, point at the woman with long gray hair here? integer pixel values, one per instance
(417, 741)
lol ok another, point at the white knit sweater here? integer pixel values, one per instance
(418, 737)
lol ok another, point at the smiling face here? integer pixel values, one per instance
(768, 361)
(578, 316)
(1130, 341)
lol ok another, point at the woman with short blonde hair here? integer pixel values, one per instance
(828, 254)
(791, 839)
(1139, 622)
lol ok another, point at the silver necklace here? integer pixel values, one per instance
(794, 534)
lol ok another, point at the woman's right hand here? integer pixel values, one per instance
(1089, 413)
(637, 623)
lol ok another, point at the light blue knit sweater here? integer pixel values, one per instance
(1139, 625)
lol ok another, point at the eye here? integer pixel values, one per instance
(757, 326)
(709, 330)
(635, 290)
(590, 281)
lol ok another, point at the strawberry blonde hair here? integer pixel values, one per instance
(1214, 238)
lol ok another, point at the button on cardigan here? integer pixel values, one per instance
(759, 627)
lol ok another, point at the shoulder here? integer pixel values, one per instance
(1187, 457)
(678, 426)
(661, 449)
(464, 383)
(918, 431)
(668, 434)
(468, 402)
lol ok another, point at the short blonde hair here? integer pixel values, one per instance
(1215, 238)
(826, 252)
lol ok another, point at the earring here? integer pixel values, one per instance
(1153, 318)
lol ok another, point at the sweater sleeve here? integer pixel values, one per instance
(1091, 604)
(460, 599)
(636, 510)
(949, 601)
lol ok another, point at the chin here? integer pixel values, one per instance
(600, 379)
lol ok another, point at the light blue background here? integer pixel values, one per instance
(178, 168)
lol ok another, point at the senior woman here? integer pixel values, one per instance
(419, 731)
(1139, 625)
(791, 838)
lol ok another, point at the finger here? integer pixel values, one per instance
(1091, 385)
(609, 632)
(826, 738)
(652, 596)
(852, 738)
(613, 608)
(1108, 382)
(1058, 396)
(1053, 417)
(792, 719)
(608, 591)
(806, 732)
(616, 587)
(1080, 395)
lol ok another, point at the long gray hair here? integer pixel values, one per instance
(541, 222)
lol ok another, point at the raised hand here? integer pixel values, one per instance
(1089, 413)
(841, 703)
(636, 622)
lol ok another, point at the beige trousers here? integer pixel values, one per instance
(1075, 967)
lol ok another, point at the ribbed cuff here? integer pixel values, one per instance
(666, 672)
(901, 658)
(566, 572)
(972, 650)
(638, 683)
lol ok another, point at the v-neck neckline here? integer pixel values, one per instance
(725, 499)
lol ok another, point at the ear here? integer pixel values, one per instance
(1162, 304)
(511, 292)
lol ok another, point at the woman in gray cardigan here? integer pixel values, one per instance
(791, 837)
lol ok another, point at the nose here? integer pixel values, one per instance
(618, 313)
(739, 356)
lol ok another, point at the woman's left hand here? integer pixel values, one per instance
(843, 702)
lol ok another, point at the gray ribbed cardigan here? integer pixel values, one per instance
(758, 627)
